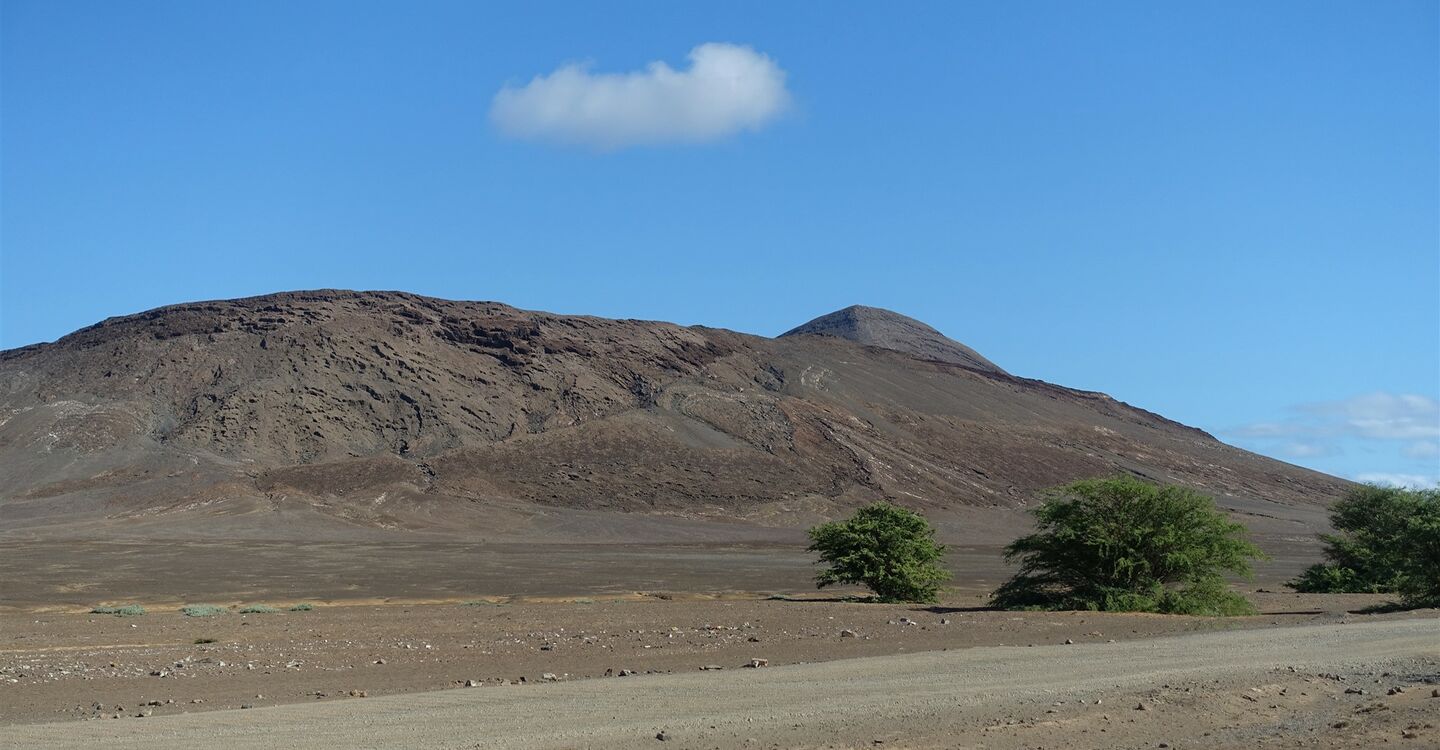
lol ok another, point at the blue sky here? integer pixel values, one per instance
(1225, 212)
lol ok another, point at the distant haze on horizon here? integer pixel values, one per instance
(1227, 214)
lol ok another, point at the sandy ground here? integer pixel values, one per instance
(72, 573)
(401, 629)
(1356, 684)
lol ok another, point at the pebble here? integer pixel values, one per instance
(756, 663)
(662, 735)
(847, 634)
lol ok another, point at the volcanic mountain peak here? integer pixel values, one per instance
(384, 410)
(886, 329)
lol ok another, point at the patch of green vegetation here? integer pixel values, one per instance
(302, 607)
(257, 609)
(483, 603)
(583, 601)
(128, 610)
(201, 610)
(1389, 542)
(1125, 545)
(888, 549)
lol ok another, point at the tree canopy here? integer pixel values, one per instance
(890, 550)
(1388, 542)
(1122, 544)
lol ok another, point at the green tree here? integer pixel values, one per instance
(1121, 544)
(1389, 542)
(886, 548)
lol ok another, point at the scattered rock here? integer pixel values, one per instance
(549, 677)
(1395, 690)
(710, 667)
(471, 683)
(1069, 642)
(1355, 691)
(757, 663)
(1141, 707)
(358, 694)
(848, 634)
(625, 672)
(662, 735)
(1340, 725)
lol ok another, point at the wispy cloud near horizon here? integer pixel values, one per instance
(727, 89)
(1401, 432)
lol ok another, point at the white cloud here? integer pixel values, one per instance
(1374, 416)
(1423, 449)
(726, 89)
(1383, 416)
(1397, 435)
(1417, 481)
(1308, 450)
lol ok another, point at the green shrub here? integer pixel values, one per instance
(302, 607)
(257, 609)
(201, 610)
(1389, 542)
(129, 610)
(886, 548)
(1124, 545)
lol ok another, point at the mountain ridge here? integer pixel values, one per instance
(392, 410)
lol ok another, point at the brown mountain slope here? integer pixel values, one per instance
(873, 326)
(370, 411)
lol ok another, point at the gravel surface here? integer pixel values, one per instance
(1339, 685)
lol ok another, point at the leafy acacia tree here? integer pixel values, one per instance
(886, 548)
(1121, 544)
(1389, 542)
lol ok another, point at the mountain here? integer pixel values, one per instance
(310, 413)
(874, 326)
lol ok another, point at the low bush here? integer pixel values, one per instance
(201, 610)
(302, 607)
(128, 610)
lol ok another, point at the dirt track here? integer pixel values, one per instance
(1223, 689)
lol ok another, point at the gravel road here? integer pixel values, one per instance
(905, 700)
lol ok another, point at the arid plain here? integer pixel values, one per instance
(519, 529)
